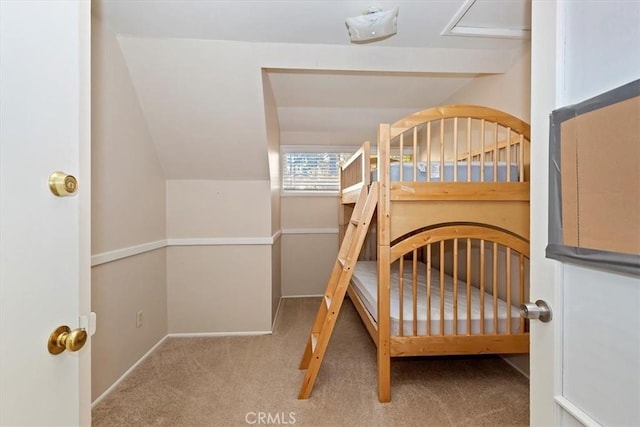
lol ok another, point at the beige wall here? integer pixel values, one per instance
(128, 209)
(180, 289)
(309, 243)
(128, 201)
(119, 290)
(307, 261)
(299, 212)
(219, 263)
(202, 209)
(273, 147)
(510, 92)
(273, 137)
(219, 288)
(204, 100)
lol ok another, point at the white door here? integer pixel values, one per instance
(585, 363)
(44, 240)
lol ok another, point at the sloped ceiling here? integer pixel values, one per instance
(197, 69)
(346, 107)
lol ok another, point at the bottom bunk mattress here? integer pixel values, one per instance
(365, 284)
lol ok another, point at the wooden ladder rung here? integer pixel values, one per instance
(337, 288)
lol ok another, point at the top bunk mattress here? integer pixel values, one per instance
(447, 173)
(365, 284)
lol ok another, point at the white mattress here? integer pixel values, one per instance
(365, 284)
(435, 173)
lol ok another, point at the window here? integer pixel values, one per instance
(314, 169)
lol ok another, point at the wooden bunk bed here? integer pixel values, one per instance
(443, 266)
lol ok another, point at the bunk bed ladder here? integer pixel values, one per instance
(337, 287)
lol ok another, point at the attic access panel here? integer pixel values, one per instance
(594, 181)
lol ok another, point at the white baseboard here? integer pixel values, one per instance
(302, 296)
(514, 366)
(217, 334)
(275, 318)
(310, 231)
(577, 413)
(127, 372)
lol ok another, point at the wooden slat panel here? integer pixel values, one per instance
(482, 151)
(508, 155)
(356, 171)
(400, 296)
(495, 288)
(350, 195)
(521, 159)
(442, 269)
(429, 289)
(441, 150)
(401, 157)
(422, 191)
(482, 285)
(495, 154)
(461, 344)
(473, 111)
(415, 292)
(469, 273)
(507, 215)
(455, 286)
(508, 281)
(455, 150)
(516, 140)
(428, 151)
(522, 291)
(469, 157)
(415, 154)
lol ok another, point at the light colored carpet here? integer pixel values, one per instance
(229, 381)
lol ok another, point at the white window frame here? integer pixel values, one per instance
(318, 149)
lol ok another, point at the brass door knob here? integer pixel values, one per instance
(62, 184)
(63, 338)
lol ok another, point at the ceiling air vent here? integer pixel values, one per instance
(491, 18)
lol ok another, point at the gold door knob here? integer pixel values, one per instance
(62, 184)
(63, 338)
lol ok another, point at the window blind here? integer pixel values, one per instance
(311, 171)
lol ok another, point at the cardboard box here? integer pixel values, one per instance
(600, 175)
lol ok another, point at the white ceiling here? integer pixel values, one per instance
(420, 22)
(309, 100)
(428, 65)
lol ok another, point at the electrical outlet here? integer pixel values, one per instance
(139, 319)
